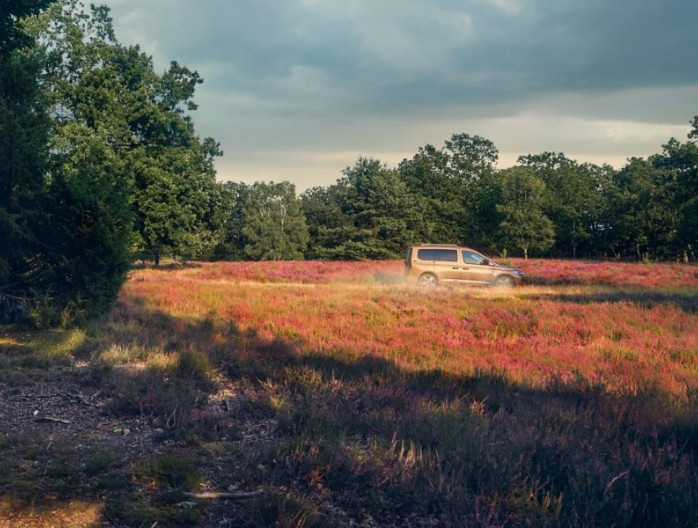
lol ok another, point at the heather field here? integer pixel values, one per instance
(335, 394)
(539, 271)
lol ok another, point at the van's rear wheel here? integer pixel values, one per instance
(428, 280)
(505, 281)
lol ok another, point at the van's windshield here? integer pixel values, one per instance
(470, 257)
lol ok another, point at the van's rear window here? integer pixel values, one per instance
(444, 255)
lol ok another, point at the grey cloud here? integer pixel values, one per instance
(288, 74)
(393, 54)
(593, 44)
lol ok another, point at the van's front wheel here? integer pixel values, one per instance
(428, 280)
(505, 281)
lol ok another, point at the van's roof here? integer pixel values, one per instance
(441, 246)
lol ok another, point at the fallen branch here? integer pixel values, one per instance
(76, 395)
(53, 419)
(216, 495)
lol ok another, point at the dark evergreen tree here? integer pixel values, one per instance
(385, 216)
(23, 150)
(87, 234)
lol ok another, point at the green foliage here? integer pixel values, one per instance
(274, 226)
(231, 242)
(682, 160)
(524, 225)
(327, 222)
(113, 93)
(646, 217)
(24, 129)
(470, 156)
(99, 160)
(693, 134)
(89, 233)
(12, 34)
(384, 213)
(575, 199)
(170, 470)
(450, 180)
(555, 207)
(262, 222)
(65, 255)
(427, 174)
(369, 213)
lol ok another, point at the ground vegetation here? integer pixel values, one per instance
(329, 394)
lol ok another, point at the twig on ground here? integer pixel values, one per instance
(215, 495)
(53, 419)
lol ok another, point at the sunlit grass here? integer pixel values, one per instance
(619, 337)
(58, 344)
(77, 513)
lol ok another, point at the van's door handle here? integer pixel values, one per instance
(454, 267)
(465, 268)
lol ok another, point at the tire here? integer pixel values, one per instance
(505, 281)
(428, 280)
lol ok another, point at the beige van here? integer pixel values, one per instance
(432, 264)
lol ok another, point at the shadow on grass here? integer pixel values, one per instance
(534, 280)
(357, 438)
(686, 301)
(172, 265)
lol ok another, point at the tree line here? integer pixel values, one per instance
(100, 164)
(547, 205)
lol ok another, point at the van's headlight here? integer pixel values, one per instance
(519, 272)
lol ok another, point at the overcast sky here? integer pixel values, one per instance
(298, 89)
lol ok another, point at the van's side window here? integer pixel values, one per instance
(443, 255)
(473, 258)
